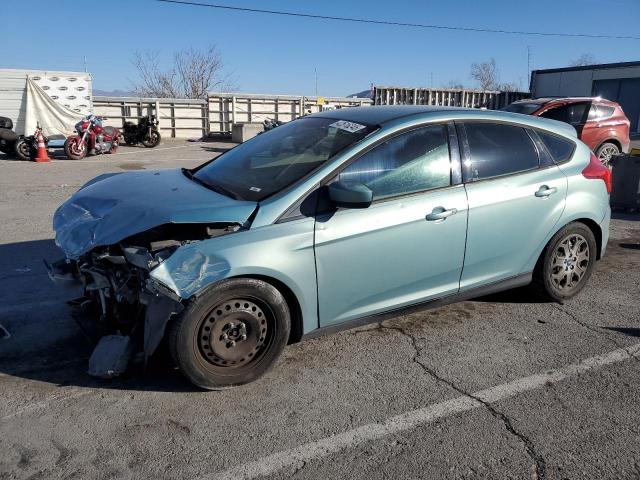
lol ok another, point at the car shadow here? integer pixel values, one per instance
(516, 295)
(631, 332)
(629, 217)
(216, 149)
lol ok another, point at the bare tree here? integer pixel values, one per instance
(192, 74)
(486, 74)
(584, 59)
(454, 85)
(509, 87)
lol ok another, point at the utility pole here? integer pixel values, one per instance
(315, 70)
(529, 64)
(85, 63)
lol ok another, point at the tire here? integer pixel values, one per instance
(23, 149)
(72, 150)
(561, 278)
(606, 151)
(206, 341)
(9, 148)
(152, 140)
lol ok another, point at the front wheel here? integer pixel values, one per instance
(230, 335)
(152, 139)
(75, 148)
(567, 262)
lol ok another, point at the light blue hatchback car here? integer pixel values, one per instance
(331, 221)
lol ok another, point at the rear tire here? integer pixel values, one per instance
(23, 149)
(606, 151)
(566, 262)
(231, 334)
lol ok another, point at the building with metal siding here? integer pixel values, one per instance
(619, 82)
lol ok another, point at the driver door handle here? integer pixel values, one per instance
(545, 191)
(440, 214)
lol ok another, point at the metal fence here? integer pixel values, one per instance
(228, 109)
(179, 118)
(445, 97)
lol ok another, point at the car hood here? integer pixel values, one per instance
(112, 207)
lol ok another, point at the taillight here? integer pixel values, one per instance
(597, 171)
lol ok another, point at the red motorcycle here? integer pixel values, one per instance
(92, 138)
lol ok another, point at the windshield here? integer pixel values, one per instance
(280, 157)
(524, 108)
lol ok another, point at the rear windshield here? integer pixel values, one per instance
(523, 108)
(280, 157)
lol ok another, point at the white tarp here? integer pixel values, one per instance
(53, 117)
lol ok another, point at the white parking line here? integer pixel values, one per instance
(412, 419)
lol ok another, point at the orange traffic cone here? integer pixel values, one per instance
(42, 149)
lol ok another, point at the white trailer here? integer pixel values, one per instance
(70, 89)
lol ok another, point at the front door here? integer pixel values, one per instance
(408, 246)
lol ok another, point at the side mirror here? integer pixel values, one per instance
(356, 195)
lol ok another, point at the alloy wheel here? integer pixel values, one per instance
(570, 262)
(606, 153)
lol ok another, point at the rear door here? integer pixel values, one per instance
(575, 114)
(515, 201)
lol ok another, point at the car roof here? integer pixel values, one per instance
(380, 114)
(563, 100)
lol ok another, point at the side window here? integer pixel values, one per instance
(411, 162)
(604, 111)
(560, 148)
(498, 149)
(573, 113)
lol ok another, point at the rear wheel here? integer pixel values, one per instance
(567, 262)
(606, 151)
(75, 148)
(230, 335)
(23, 149)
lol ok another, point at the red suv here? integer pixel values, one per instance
(601, 124)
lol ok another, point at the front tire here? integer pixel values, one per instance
(151, 140)
(567, 262)
(75, 148)
(231, 334)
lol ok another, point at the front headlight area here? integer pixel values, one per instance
(121, 298)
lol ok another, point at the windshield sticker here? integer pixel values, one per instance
(255, 189)
(350, 127)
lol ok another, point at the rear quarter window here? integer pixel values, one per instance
(560, 148)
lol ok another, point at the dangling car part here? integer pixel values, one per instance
(144, 132)
(92, 138)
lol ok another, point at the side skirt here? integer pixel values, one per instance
(507, 284)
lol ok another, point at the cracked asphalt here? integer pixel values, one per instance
(471, 390)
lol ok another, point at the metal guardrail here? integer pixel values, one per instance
(445, 97)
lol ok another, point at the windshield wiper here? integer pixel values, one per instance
(216, 188)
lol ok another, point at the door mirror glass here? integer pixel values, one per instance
(355, 195)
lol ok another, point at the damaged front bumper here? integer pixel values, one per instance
(131, 309)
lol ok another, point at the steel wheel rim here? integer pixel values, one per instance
(24, 149)
(234, 333)
(606, 153)
(570, 262)
(77, 148)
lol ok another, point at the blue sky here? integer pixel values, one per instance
(273, 54)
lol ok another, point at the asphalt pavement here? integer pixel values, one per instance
(506, 386)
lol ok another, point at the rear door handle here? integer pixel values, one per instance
(440, 214)
(545, 191)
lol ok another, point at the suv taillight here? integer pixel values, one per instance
(597, 171)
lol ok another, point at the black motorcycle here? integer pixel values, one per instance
(144, 132)
(8, 137)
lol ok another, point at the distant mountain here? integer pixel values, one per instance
(363, 94)
(112, 93)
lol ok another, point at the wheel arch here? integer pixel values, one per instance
(613, 140)
(597, 233)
